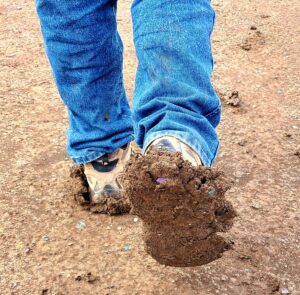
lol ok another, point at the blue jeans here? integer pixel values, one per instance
(173, 91)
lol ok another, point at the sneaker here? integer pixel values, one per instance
(173, 145)
(104, 173)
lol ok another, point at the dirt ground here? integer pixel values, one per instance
(50, 245)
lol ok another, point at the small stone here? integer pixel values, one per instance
(91, 278)
(135, 219)
(70, 244)
(247, 270)
(244, 257)
(255, 206)
(119, 228)
(161, 180)
(285, 291)
(246, 46)
(253, 28)
(242, 143)
(45, 238)
(126, 248)
(212, 192)
(264, 16)
(81, 225)
(28, 250)
(13, 285)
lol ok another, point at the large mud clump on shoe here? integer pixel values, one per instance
(182, 208)
(112, 205)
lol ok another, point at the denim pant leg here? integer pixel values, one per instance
(173, 92)
(85, 52)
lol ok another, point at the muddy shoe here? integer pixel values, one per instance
(103, 178)
(183, 207)
(173, 145)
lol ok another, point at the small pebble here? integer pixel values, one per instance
(212, 192)
(247, 270)
(284, 291)
(242, 142)
(161, 180)
(119, 227)
(81, 225)
(255, 206)
(45, 238)
(70, 244)
(28, 250)
(126, 248)
(135, 219)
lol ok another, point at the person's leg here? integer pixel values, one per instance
(85, 52)
(174, 95)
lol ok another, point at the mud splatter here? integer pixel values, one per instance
(255, 39)
(233, 99)
(182, 215)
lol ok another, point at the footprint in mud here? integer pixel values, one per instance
(182, 208)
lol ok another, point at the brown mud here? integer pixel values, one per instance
(182, 208)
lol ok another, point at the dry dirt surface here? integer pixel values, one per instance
(51, 245)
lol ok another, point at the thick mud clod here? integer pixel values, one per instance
(182, 208)
(112, 205)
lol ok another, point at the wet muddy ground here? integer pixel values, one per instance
(51, 245)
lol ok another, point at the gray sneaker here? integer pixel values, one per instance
(104, 173)
(173, 145)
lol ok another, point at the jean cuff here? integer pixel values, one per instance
(92, 156)
(187, 139)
